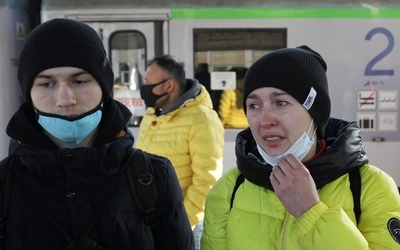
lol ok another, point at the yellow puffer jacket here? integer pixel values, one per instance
(192, 138)
(330, 224)
(258, 220)
(230, 115)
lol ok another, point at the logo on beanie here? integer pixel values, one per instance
(310, 99)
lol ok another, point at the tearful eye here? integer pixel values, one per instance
(254, 106)
(281, 103)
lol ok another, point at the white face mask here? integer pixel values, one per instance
(299, 149)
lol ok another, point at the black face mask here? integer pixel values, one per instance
(146, 92)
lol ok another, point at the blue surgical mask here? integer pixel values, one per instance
(299, 149)
(71, 132)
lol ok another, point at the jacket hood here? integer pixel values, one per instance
(195, 94)
(344, 151)
(24, 127)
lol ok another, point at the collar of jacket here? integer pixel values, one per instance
(344, 151)
(192, 90)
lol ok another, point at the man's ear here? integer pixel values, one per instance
(171, 85)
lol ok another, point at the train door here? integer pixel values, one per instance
(129, 45)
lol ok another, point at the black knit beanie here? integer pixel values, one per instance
(64, 42)
(300, 72)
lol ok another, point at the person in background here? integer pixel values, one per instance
(297, 164)
(230, 109)
(203, 75)
(67, 149)
(181, 125)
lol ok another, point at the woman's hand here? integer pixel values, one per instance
(294, 186)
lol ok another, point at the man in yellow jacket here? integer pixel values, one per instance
(180, 124)
(297, 165)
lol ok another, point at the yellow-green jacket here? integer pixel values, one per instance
(258, 220)
(191, 136)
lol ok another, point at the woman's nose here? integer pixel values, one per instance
(268, 118)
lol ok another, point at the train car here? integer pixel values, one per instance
(359, 41)
(16, 20)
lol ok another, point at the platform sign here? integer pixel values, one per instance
(387, 121)
(388, 99)
(20, 31)
(367, 121)
(223, 80)
(366, 99)
(378, 84)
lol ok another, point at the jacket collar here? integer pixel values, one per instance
(344, 151)
(192, 90)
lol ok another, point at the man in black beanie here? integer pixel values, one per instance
(302, 179)
(70, 179)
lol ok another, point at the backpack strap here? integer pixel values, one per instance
(239, 181)
(85, 240)
(143, 188)
(4, 195)
(355, 186)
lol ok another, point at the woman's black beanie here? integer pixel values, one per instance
(300, 72)
(63, 42)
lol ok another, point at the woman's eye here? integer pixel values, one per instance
(281, 103)
(254, 106)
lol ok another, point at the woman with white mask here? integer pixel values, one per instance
(295, 165)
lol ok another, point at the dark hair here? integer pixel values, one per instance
(172, 66)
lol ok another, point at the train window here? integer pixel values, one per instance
(128, 60)
(224, 49)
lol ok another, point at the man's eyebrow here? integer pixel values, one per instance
(80, 73)
(43, 76)
(49, 76)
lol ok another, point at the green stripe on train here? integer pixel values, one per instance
(248, 13)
